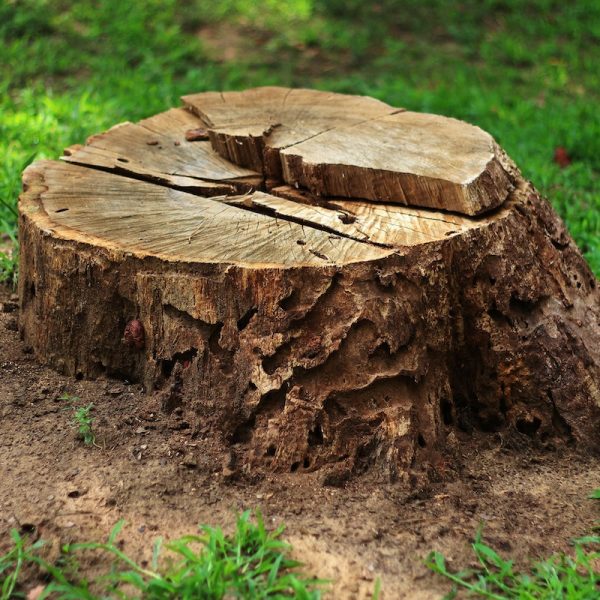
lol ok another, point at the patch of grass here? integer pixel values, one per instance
(560, 576)
(525, 70)
(82, 419)
(13, 562)
(573, 576)
(9, 258)
(251, 563)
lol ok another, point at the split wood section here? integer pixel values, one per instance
(356, 147)
(311, 332)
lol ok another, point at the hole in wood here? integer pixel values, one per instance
(490, 419)
(346, 218)
(243, 322)
(315, 436)
(528, 426)
(496, 315)
(290, 302)
(521, 305)
(381, 352)
(446, 410)
(167, 364)
(243, 432)
(271, 450)
(213, 340)
(270, 364)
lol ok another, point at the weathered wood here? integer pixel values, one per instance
(156, 149)
(311, 333)
(142, 219)
(356, 147)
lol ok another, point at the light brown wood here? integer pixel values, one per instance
(156, 149)
(311, 333)
(387, 225)
(142, 219)
(356, 147)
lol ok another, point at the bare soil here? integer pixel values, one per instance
(164, 475)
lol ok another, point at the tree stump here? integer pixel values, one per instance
(329, 282)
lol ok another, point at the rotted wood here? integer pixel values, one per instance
(314, 326)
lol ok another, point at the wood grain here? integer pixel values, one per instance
(156, 149)
(356, 147)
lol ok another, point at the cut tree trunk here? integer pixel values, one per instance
(328, 282)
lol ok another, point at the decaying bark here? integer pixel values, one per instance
(310, 332)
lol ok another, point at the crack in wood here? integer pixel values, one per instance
(353, 230)
(311, 149)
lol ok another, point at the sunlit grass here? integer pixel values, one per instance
(564, 576)
(251, 563)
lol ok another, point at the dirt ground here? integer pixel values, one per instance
(164, 475)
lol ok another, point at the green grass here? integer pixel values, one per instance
(573, 576)
(560, 577)
(82, 419)
(9, 257)
(251, 563)
(524, 70)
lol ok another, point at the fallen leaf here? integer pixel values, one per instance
(561, 157)
(36, 592)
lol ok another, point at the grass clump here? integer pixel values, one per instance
(251, 563)
(562, 576)
(13, 562)
(9, 262)
(556, 578)
(82, 419)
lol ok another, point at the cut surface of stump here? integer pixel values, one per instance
(317, 304)
(356, 147)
